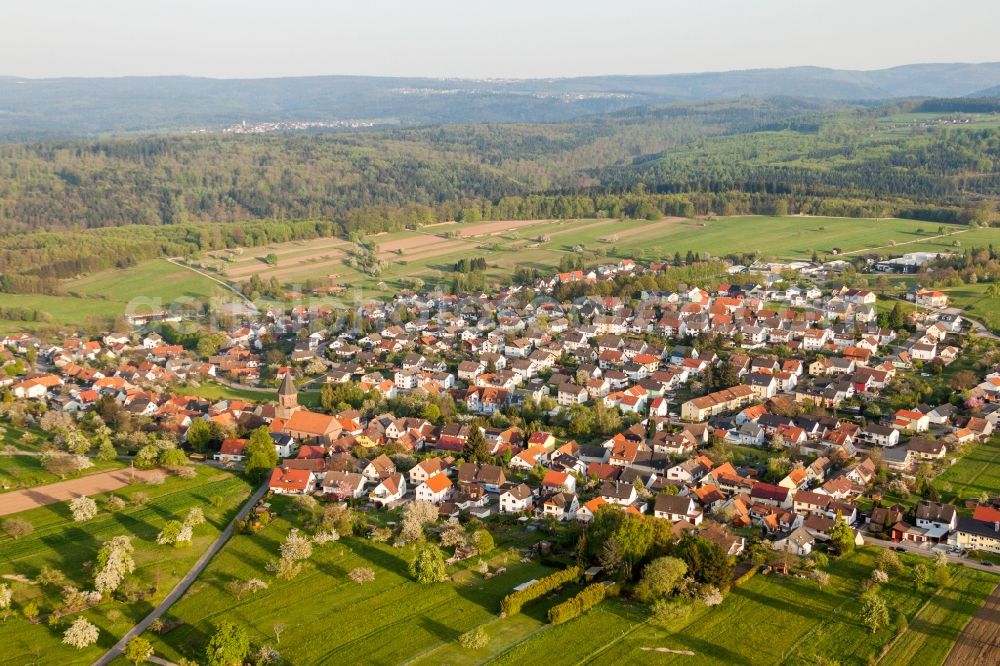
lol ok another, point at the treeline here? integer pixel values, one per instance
(960, 105)
(23, 314)
(37, 262)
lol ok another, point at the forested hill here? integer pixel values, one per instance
(39, 108)
(739, 156)
(214, 178)
(170, 195)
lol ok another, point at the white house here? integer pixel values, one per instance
(516, 499)
(389, 489)
(435, 489)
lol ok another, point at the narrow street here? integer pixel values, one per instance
(925, 550)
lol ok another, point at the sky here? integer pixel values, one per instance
(483, 38)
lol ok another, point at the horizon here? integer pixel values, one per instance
(507, 78)
(445, 39)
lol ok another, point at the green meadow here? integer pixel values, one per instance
(69, 547)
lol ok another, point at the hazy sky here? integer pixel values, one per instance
(483, 38)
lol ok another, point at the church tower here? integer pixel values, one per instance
(288, 398)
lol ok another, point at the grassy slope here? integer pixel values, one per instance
(975, 472)
(977, 302)
(770, 620)
(17, 472)
(384, 622)
(59, 542)
(106, 295)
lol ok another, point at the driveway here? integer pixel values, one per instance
(92, 484)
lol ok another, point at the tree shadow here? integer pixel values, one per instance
(442, 632)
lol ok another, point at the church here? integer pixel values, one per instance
(305, 426)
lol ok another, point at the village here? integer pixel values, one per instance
(727, 410)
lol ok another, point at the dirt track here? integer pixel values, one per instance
(979, 642)
(102, 482)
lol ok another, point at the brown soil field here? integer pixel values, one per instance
(435, 251)
(979, 643)
(332, 262)
(483, 229)
(102, 482)
(293, 263)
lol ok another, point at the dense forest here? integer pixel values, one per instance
(68, 208)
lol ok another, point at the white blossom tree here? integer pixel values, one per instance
(296, 546)
(415, 516)
(74, 600)
(195, 516)
(326, 536)
(361, 575)
(711, 596)
(114, 562)
(83, 508)
(6, 596)
(81, 634)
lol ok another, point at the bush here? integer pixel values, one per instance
(17, 527)
(666, 611)
(514, 601)
(586, 599)
(474, 639)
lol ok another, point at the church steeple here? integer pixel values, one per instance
(288, 397)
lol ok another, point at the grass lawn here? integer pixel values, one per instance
(772, 620)
(17, 472)
(96, 299)
(932, 633)
(977, 303)
(395, 620)
(214, 391)
(71, 548)
(975, 472)
(11, 436)
(388, 621)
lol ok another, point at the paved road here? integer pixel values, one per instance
(91, 484)
(925, 550)
(183, 584)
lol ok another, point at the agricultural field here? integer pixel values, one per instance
(388, 621)
(975, 472)
(395, 620)
(431, 252)
(97, 299)
(71, 547)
